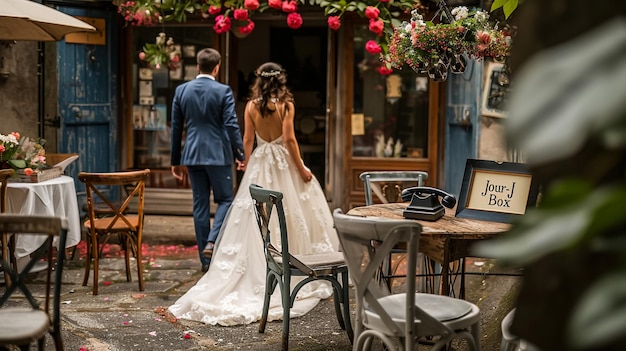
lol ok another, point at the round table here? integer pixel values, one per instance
(54, 197)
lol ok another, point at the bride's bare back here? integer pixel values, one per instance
(270, 127)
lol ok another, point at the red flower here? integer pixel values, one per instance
(334, 22)
(373, 48)
(222, 24)
(290, 6)
(377, 26)
(384, 70)
(251, 5)
(384, 1)
(247, 29)
(28, 171)
(275, 4)
(294, 20)
(214, 10)
(240, 14)
(372, 12)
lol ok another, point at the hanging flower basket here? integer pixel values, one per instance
(438, 48)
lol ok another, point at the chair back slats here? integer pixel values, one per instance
(265, 202)
(5, 174)
(108, 215)
(387, 185)
(54, 228)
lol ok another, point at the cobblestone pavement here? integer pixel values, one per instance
(123, 318)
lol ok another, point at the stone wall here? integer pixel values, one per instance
(19, 103)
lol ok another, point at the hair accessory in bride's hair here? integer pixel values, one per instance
(270, 74)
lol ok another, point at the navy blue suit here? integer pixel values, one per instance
(205, 110)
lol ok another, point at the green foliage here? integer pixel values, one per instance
(508, 6)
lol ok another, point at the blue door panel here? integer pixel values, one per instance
(88, 99)
(462, 123)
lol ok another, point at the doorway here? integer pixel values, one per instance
(303, 54)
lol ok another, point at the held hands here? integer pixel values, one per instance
(241, 166)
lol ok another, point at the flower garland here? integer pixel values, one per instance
(236, 15)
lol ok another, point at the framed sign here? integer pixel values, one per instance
(496, 191)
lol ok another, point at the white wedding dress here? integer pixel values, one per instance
(232, 290)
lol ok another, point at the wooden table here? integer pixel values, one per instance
(445, 240)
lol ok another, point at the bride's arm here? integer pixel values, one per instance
(248, 134)
(291, 143)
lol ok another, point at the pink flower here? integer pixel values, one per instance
(275, 4)
(247, 29)
(384, 70)
(142, 55)
(483, 37)
(373, 48)
(222, 24)
(290, 6)
(294, 20)
(28, 171)
(2, 148)
(372, 12)
(251, 5)
(240, 14)
(377, 26)
(176, 58)
(214, 10)
(334, 22)
(16, 135)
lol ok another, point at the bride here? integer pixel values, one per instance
(231, 292)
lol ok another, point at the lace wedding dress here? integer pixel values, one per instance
(232, 290)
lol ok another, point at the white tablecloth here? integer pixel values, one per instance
(54, 197)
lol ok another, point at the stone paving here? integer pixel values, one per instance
(123, 318)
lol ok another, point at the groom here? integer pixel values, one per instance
(212, 141)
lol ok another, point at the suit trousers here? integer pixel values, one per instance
(205, 179)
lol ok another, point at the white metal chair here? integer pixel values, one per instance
(387, 186)
(510, 341)
(383, 315)
(282, 265)
(27, 316)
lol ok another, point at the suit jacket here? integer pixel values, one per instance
(207, 109)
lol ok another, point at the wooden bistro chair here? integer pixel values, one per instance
(26, 316)
(282, 265)
(386, 187)
(401, 320)
(5, 174)
(126, 224)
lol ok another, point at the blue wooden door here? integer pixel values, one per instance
(462, 123)
(88, 98)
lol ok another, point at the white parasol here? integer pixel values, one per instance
(28, 20)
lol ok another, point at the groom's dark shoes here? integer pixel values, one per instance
(205, 268)
(208, 250)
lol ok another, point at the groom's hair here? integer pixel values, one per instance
(207, 60)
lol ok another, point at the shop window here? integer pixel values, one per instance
(153, 92)
(390, 111)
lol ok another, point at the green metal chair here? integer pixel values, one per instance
(282, 265)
